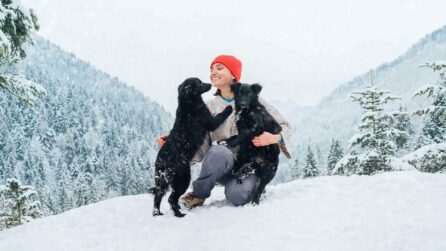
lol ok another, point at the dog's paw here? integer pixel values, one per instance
(255, 200)
(240, 177)
(228, 109)
(222, 142)
(254, 203)
(239, 180)
(179, 215)
(157, 212)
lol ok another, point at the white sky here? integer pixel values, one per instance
(299, 50)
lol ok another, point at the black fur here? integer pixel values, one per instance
(252, 120)
(193, 120)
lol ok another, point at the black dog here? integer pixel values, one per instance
(252, 120)
(193, 120)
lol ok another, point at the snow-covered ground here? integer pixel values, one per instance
(391, 211)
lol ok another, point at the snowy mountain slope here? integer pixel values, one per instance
(336, 116)
(390, 211)
(90, 138)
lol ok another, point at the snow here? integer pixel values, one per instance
(389, 211)
(428, 150)
(400, 164)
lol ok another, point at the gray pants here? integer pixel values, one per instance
(216, 168)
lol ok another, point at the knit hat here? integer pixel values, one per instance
(232, 63)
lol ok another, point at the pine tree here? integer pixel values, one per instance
(434, 124)
(336, 153)
(49, 201)
(433, 130)
(403, 123)
(437, 92)
(20, 204)
(433, 133)
(319, 160)
(131, 179)
(310, 168)
(85, 191)
(16, 27)
(34, 170)
(376, 139)
(63, 194)
(294, 169)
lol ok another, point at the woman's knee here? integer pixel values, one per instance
(240, 194)
(217, 163)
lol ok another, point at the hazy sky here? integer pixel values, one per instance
(299, 50)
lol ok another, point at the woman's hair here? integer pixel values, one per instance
(218, 92)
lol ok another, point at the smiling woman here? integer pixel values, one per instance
(218, 160)
(225, 70)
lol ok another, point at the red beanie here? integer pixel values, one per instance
(232, 63)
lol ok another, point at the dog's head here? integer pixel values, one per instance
(192, 88)
(245, 94)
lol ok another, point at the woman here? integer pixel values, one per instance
(217, 159)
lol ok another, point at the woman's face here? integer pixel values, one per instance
(221, 76)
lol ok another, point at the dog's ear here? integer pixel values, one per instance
(235, 87)
(184, 89)
(256, 88)
(181, 88)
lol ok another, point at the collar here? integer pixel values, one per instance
(229, 100)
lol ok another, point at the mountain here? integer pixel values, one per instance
(336, 116)
(89, 138)
(389, 211)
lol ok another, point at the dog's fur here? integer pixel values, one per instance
(252, 120)
(193, 120)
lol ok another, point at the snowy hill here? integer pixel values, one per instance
(336, 116)
(390, 211)
(90, 138)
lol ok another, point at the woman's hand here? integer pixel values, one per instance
(266, 139)
(161, 140)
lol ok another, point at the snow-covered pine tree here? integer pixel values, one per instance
(335, 154)
(310, 168)
(437, 92)
(20, 204)
(433, 131)
(434, 127)
(430, 158)
(34, 166)
(403, 123)
(431, 150)
(17, 24)
(294, 169)
(64, 190)
(376, 140)
(85, 191)
(48, 200)
(320, 163)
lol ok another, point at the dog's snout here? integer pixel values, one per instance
(206, 87)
